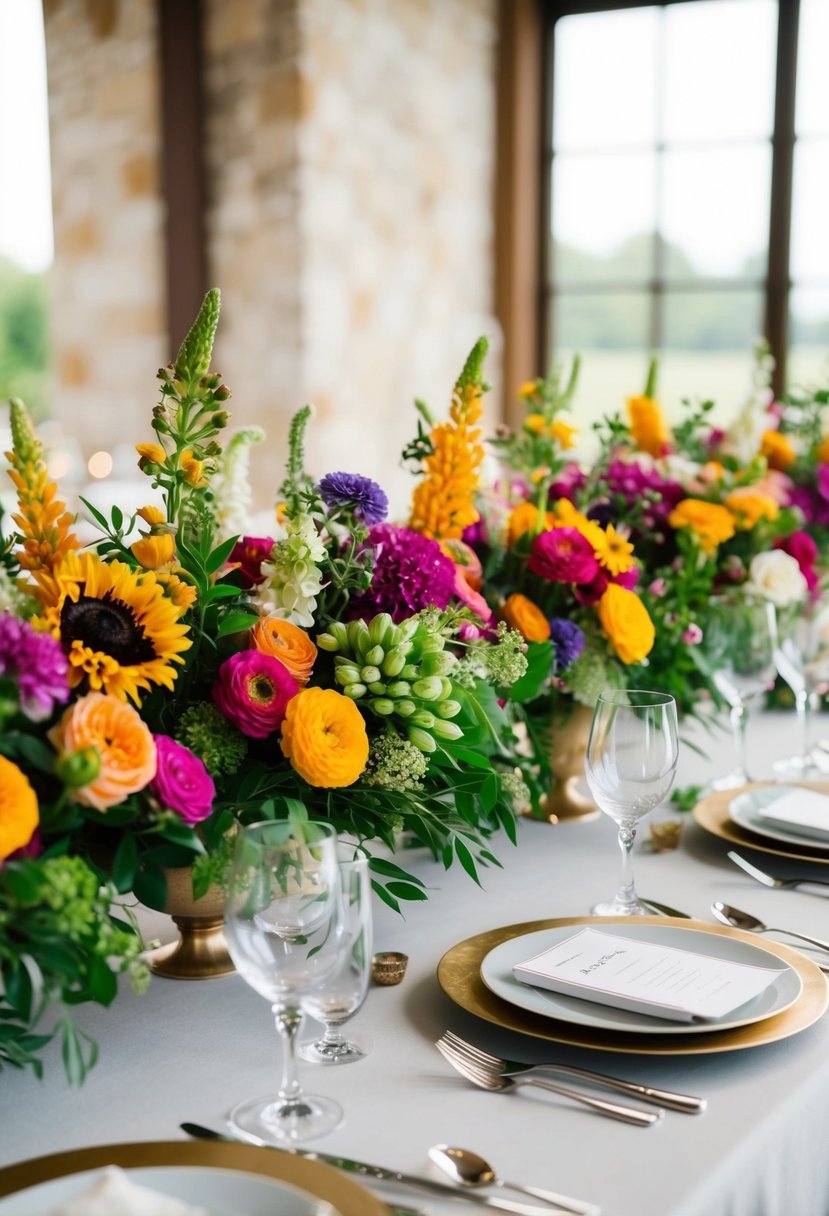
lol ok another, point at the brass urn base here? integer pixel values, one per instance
(566, 803)
(201, 952)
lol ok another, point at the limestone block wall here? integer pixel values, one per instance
(108, 312)
(350, 156)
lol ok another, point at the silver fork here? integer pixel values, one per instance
(685, 1103)
(488, 1078)
(768, 881)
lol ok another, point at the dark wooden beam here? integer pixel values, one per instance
(518, 262)
(182, 161)
(780, 220)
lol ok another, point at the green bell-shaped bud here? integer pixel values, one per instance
(354, 691)
(405, 708)
(423, 718)
(421, 739)
(382, 706)
(447, 730)
(448, 709)
(428, 689)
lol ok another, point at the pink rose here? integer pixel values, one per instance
(181, 781)
(253, 691)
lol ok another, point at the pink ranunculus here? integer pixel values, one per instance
(248, 554)
(658, 588)
(692, 636)
(563, 555)
(803, 549)
(181, 781)
(253, 691)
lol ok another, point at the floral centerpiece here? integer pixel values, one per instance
(174, 678)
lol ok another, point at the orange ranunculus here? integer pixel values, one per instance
(647, 425)
(710, 523)
(154, 551)
(749, 505)
(192, 468)
(286, 642)
(822, 453)
(522, 614)
(324, 737)
(18, 808)
(777, 450)
(123, 741)
(626, 622)
(152, 453)
(525, 518)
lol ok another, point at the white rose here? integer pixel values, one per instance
(777, 577)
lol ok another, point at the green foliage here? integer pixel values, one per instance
(24, 336)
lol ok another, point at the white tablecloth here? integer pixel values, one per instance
(190, 1051)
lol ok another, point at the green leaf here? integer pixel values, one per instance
(19, 991)
(488, 793)
(539, 664)
(222, 591)
(466, 859)
(388, 869)
(150, 886)
(383, 894)
(406, 890)
(95, 513)
(77, 1060)
(124, 864)
(236, 622)
(117, 517)
(220, 555)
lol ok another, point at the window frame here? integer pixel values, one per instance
(525, 321)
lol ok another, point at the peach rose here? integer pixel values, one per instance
(124, 744)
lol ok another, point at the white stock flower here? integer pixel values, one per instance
(232, 496)
(777, 577)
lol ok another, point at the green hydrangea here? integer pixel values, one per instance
(208, 734)
(590, 674)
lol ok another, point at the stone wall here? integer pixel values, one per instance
(350, 149)
(108, 309)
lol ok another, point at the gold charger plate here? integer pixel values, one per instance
(712, 816)
(317, 1179)
(459, 975)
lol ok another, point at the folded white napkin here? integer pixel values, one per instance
(115, 1194)
(800, 811)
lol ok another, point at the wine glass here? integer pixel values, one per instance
(739, 637)
(631, 760)
(802, 659)
(343, 992)
(283, 923)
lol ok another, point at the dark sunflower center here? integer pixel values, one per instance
(106, 624)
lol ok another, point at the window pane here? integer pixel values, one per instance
(712, 320)
(721, 376)
(603, 83)
(603, 206)
(809, 337)
(716, 211)
(810, 229)
(719, 69)
(583, 323)
(812, 77)
(606, 379)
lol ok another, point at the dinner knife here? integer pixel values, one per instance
(363, 1170)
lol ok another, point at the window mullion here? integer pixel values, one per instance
(780, 216)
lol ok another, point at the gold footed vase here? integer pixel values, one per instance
(568, 736)
(201, 951)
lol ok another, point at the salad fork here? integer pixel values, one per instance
(768, 881)
(686, 1103)
(491, 1079)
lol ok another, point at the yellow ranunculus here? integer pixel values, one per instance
(151, 515)
(710, 523)
(627, 624)
(749, 506)
(324, 737)
(528, 389)
(18, 808)
(647, 425)
(535, 423)
(525, 518)
(192, 468)
(522, 614)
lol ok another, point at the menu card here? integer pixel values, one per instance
(659, 981)
(803, 812)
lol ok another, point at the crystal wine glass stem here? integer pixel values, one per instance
(803, 705)
(288, 1022)
(333, 1036)
(626, 837)
(739, 713)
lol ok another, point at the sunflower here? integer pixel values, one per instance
(120, 631)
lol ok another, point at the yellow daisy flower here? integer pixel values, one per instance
(614, 550)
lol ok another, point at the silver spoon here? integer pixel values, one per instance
(730, 915)
(471, 1170)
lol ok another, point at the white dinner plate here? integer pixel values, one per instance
(220, 1192)
(496, 973)
(746, 808)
